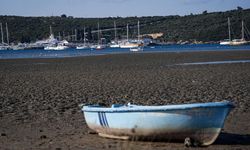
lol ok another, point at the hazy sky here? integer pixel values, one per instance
(123, 8)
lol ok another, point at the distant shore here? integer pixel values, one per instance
(40, 98)
(192, 28)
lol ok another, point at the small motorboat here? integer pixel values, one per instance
(193, 123)
(100, 47)
(82, 47)
(137, 49)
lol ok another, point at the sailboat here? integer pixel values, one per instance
(4, 46)
(235, 42)
(114, 44)
(62, 45)
(139, 47)
(84, 46)
(127, 43)
(241, 41)
(54, 44)
(100, 46)
(227, 41)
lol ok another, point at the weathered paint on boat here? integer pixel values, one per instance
(201, 121)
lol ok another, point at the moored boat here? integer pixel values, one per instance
(115, 44)
(129, 45)
(100, 47)
(62, 45)
(4, 46)
(133, 46)
(82, 47)
(235, 42)
(227, 41)
(201, 122)
(241, 41)
(137, 49)
(56, 47)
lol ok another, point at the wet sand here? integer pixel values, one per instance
(39, 98)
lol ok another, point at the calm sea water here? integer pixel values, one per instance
(12, 54)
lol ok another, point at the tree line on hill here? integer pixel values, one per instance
(201, 27)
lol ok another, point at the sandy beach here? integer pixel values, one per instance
(40, 98)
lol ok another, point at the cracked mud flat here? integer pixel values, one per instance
(39, 98)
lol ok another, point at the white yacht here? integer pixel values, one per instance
(100, 47)
(84, 46)
(137, 49)
(227, 41)
(59, 46)
(139, 43)
(128, 43)
(235, 42)
(114, 44)
(4, 46)
(241, 41)
(56, 47)
(100, 44)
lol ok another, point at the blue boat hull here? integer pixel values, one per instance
(199, 122)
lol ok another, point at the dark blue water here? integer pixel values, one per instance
(11, 54)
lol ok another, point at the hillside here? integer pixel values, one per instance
(201, 27)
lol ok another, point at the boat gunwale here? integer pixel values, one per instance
(140, 108)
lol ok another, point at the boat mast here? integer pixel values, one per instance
(7, 33)
(50, 30)
(115, 32)
(2, 32)
(242, 30)
(127, 32)
(229, 29)
(138, 24)
(59, 36)
(75, 34)
(84, 34)
(98, 26)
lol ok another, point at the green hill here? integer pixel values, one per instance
(201, 27)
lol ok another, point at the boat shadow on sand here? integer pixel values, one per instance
(223, 139)
(232, 139)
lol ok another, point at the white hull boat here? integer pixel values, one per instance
(58, 47)
(198, 122)
(138, 49)
(82, 47)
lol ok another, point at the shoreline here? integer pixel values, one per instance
(124, 52)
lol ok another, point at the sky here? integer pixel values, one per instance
(114, 8)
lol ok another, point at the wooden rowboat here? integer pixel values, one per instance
(199, 122)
